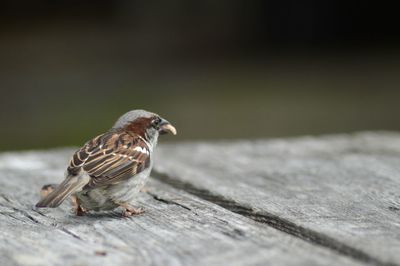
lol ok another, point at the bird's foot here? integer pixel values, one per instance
(130, 211)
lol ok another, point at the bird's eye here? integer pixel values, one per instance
(156, 121)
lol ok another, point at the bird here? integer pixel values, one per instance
(109, 170)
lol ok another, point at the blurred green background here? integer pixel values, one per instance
(216, 69)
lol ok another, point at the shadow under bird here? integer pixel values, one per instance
(109, 170)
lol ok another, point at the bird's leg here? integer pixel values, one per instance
(76, 206)
(46, 190)
(130, 211)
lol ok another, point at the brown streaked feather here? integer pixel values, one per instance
(111, 158)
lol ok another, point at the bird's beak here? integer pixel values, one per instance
(166, 127)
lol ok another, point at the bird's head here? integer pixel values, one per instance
(146, 124)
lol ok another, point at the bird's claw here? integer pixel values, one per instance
(132, 211)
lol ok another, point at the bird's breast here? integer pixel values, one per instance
(127, 190)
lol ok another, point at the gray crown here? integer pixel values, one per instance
(131, 116)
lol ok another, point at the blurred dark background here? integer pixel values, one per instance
(216, 69)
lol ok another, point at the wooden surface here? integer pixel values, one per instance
(341, 192)
(332, 200)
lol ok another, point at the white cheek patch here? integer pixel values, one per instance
(142, 150)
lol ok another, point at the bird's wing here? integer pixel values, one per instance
(111, 158)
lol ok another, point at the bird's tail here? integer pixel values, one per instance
(61, 192)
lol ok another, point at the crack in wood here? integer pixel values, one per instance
(26, 214)
(167, 201)
(272, 220)
(5, 198)
(70, 233)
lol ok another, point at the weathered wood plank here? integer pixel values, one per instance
(340, 191)
(177, 228)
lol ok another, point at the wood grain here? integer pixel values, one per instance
(178, 228)
(341, 191)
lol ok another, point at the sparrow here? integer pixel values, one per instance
(109, 170)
